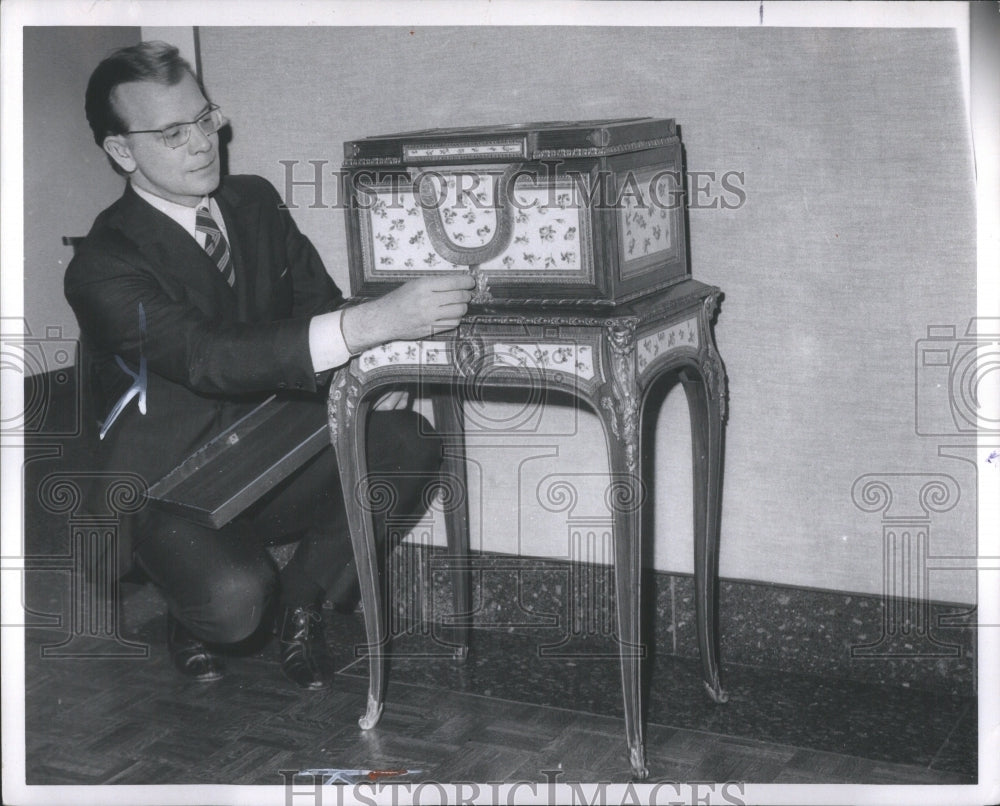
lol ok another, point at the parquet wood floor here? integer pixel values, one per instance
(135, 721)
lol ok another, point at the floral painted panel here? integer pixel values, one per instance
(406, 353)
(571, 359)
(550, 231)
(574, 359)
(667, 339)
(645, 210)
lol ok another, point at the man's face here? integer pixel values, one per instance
(183, 175)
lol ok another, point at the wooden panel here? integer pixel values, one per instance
(215, 484)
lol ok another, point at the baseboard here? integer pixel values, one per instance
(930, 646)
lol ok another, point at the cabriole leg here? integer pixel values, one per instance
(348, 417)
(706, 444)
(449, 420)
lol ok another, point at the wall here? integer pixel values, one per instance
(856, 235)
(67, 180)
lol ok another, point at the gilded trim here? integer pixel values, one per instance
(622, 148)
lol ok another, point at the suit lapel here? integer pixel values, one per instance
(168, 247)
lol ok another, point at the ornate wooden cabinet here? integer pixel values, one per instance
(546, 213)
(575, 232)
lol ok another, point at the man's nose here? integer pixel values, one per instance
(199, 141)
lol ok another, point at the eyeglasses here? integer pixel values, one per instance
(180, 133)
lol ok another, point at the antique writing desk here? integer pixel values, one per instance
(576, 237)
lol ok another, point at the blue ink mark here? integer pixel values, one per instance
(994, 459)
(340, 776)
(138, 387)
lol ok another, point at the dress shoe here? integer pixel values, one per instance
(305, 659)
(190, 655)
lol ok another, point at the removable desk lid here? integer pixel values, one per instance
(240, 465)
(512, 142)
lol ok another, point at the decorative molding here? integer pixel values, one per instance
(473, 150)
(516, 302)
(470, 353)
(623, 403)
(712, 368)
(539, 154)
(658, 307)
(709, 306)
(344, 391)
(482, 295)
(445, 243)
(604, 151)
(544, 320)
(715, 379)
(370, 162)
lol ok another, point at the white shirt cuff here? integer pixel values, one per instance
(327, 347)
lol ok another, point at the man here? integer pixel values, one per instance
(206, 293)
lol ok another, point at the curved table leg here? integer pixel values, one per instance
(348, 415)
(626, 495)
(705, 409)
(619, 411)
(450, 421)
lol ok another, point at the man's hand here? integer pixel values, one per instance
(422, 307)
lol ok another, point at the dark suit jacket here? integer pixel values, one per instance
(212, 351)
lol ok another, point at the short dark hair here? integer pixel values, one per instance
(148, 61)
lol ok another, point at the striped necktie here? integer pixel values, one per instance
(215, 244)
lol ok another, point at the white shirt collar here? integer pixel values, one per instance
(182, 214)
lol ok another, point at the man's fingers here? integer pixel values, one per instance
(452, 282)
(455, 310)
(451, 298)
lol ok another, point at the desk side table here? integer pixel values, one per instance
(609, 359)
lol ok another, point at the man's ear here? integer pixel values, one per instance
(118, 149)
